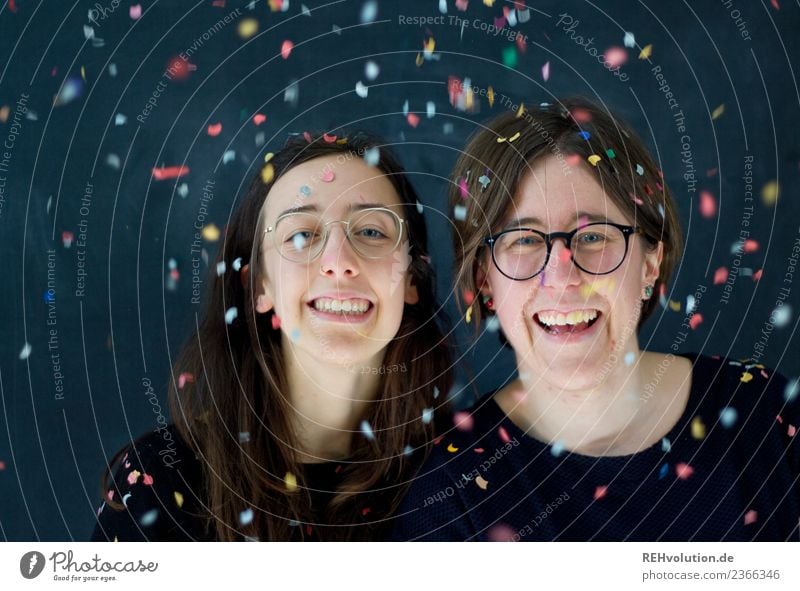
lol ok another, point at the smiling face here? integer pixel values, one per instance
(604, 309)
(340, 307)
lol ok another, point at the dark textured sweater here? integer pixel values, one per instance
(728, 470)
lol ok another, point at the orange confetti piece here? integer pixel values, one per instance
(170, 172)
(214, 129)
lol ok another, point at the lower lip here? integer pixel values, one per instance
(569, 338)
(343, 318)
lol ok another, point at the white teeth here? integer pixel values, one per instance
(573, 317)
(341, 306)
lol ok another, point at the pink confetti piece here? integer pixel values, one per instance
(750, 246)
(110, 494)
(791, 431)
(307, 137)
(327, 176)
(67, 238)
(750, 517)
(413, 119)
(259, 118)
(286, 49)
(463, 189)
(600, 492)
(546, 71)
(720, 276)
(135, 11)
(757, 274)
(147, 480)
(501, 533)
(683, 470)
(185, 378)
(501, 431)
(478, 450)
(463, 421)
(574, 160)
(214, 129)
(329, 139)
(133, 476)
(565, 255)
(276, 322)
(708, 205)
(469, 297)
(170, 172)
(615, 56)
(695, 320)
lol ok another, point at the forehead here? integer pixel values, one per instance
(332, 184)
(557, 195)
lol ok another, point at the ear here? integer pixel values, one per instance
(482, 277)
(264, 302)
(412, 295)
(652, 264)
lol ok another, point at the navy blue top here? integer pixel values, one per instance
(728, 470)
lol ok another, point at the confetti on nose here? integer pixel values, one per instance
(135, 12)
(246, 517)
(408, 450)
(366, 429)
(683, 470)
(698, 428)
(244, 436)
(298, 242)
(427, 415)
(231, 314)
(695, 320)
(727, 417)
(565, 255)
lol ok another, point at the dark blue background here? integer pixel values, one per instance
(129, 324)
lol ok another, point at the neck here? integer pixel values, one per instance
(610, 418)
(328, 403)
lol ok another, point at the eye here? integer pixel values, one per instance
(371, 233)
(591, 238)
(300, 237)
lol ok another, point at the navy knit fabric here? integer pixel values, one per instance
(728, 470)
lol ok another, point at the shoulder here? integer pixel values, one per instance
(158, 481)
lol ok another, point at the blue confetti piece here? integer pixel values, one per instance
(305, 190)
(231, 314)
(666, 445)
(484, 181)
(460, 213)
(585, 135)
(557, 448)
(791, 390)
(49, 296)
(149, 518)
(727, 416)
(408, 450)
(295, 335)
(630, 357)
(493, 324)
(367, 430)
(246, 516)
(372, 156)
(664, 471)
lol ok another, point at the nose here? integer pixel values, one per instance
(338, 257)
(560, 271)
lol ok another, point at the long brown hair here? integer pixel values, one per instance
(240, 383)
(511, 143)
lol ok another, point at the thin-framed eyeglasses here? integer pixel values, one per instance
(598, 248)
(300, 237)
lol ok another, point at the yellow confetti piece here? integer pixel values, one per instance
(267, 174)
(521, 110)
(429, 46)
(268, 156)
(420, 60)
(717, 113)
(290, 481)
(698, 428)
(770, 192)
(746, 377)
(83, 73)
(211, 233)
(674, 306)
(594, 159)
(514, 137)
(452, 448)
(469, 315)
(178, 499)
(247, 28)
(490, 95)
(646, 52)
(481, 482)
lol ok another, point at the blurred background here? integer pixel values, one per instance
(127, 127)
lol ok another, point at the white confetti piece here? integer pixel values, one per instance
(435, 392)
(112, 69)
(371, 70)
(557, 448)
(629, 40)
(460, 213)
(220, 268)
(244, 436)
(372, 156)
(231, 314)
(369, 12)
(630, 357)
(427, 415)
(237, 264)
(792, 390)
(430, 108)
(690, 304)
(120, 119)
(443, 6)
(26, 351)
(361, 89)
(228, 156)
(366, 429)
(113, 161)
(781, 316)
(149, 518)
(419, 207)
(246, 517)
(727, 417)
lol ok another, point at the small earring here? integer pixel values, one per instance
(648, 292)
(488, 302)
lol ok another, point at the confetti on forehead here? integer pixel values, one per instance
(327, 176)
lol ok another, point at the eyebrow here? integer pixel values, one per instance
(313, 208)
(534, 221)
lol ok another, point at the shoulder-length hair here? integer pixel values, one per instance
(240, 382)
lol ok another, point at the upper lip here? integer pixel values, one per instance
(341, 295)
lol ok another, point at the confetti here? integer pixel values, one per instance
(646, 52)
(183, 379)
(246, 517)
(276, 322)
(372, 156)
(600, 492)
(750, 517)
(170, 172)
(460, 213)
(557, 448)
(770, 193)
(286, 49)
(501, 431)
(430, 109)
(295, 335)
(727, 417)
(452, 448)
(244, 436)
(135, 12)
(231, 314)
(695, 320)
(247, 28)
(639, 170)
(720, 276)
(25, 352)
(178, 499)
(594, 159)
(211, 233)
(746, 377)
(369, 12)
(501, 533)
(629, 40)
(666, 445)
(791, 390)
(717, 113)
(463, 421)
(290, 480)
(305, 190)
(366, 429)
(413, 119)
(546, 71)
(149, 518)
(708, 205)
(698, 428)
(492, 324)
(781, 316)
(584, 135)
(259, 118)
(133, 476)
(683, 470)
(481, 482)
(327, 176)
(484, 181)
